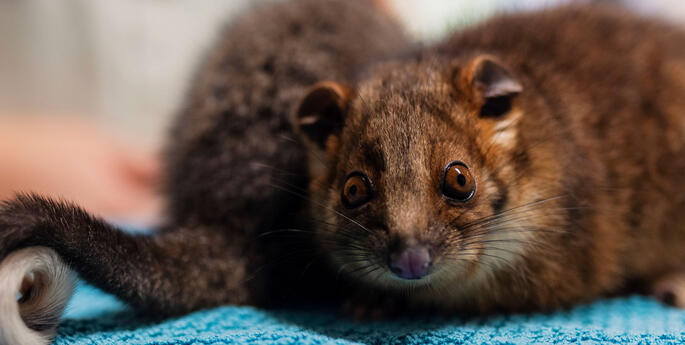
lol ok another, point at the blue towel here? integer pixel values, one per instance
(94, 317)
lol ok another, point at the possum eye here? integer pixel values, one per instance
(357, 191)
(457, 182)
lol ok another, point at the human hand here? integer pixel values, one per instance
(70, 159)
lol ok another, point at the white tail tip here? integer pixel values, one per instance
(35, 286)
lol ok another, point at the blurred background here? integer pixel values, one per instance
(88, 87)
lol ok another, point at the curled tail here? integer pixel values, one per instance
(35, 286)
(172, 272)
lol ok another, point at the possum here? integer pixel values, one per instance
(229, 143)
(532, 162)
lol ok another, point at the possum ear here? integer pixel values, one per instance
(322, 111)
(492, 85)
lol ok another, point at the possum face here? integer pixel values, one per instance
(422, 172)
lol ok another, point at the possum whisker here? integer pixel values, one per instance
(374, 268)
(322, 206)
(277, 170)
(485, 248)
(285, 183)
(497, 226)
(520, 208)
(380, 273)
(504, 227)
(322, 222)
(342, 267)
(361, 268)
(337, 245)
(339, 233)
(280, 231)
(510, 240)
(309, 264)
(299, 141)
(498, 258)
(470, 258)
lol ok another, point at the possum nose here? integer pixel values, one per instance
(411, 263)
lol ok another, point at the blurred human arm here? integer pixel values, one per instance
(71, 159)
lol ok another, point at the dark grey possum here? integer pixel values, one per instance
(232, 142)
(532, 162)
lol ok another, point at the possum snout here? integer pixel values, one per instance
(411, 263)
(410, 259)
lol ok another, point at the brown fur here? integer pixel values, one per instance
(590, 163)
(571, 121)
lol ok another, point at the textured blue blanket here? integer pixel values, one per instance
(96, 318)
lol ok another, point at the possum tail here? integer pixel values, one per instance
(172, 272)
(35, 286)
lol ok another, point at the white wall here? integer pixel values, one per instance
(125, 63)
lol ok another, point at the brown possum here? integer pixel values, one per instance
(532, 162)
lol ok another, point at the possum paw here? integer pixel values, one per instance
(670, 290)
